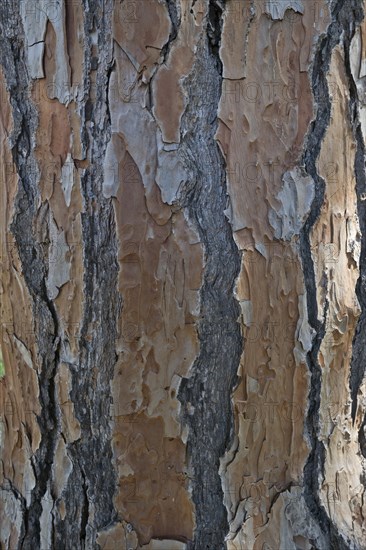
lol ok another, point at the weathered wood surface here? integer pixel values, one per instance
(183, 274)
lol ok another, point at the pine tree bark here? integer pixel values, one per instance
(183, 274)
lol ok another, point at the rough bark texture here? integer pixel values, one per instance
(183, 274)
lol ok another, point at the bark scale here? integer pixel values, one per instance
(183, 291)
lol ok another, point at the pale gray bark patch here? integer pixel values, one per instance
(58, 264)
(277, 8)
(295, 198)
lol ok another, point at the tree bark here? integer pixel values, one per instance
(183, 274)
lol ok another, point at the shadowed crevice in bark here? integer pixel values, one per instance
(88, 496)
(175, 17)
(344, 18)
(33, 262)
(93, 482)
(206, 395)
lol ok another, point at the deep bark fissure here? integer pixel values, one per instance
(175, 21)
(206, 395)
(93, 455)
(33, 264)
(97, 477)
(344, 16)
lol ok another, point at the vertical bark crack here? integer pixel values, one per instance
(94, 481)
(206, 395)
(344, 15)
(88, 495)
(33, 263)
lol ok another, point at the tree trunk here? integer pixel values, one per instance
(183, 274)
